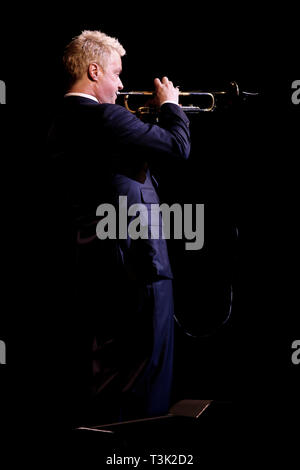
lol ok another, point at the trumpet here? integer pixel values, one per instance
(208, 101)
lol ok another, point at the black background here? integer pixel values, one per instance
(243, 167)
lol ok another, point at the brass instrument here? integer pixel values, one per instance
(211, 99)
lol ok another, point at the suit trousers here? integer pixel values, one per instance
(150, 393)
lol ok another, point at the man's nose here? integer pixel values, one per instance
(120, 85)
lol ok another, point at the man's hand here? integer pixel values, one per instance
(165, 91)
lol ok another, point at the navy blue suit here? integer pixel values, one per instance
(100, 152)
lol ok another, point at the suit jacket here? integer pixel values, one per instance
(101, 151)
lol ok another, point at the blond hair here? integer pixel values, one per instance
(89, 46)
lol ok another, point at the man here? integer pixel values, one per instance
(121, 346)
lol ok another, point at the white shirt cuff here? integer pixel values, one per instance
(169, 101)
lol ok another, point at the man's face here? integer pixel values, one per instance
(110, 82)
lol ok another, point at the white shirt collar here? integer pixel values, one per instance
(91, 97)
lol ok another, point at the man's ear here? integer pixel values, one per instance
(94, 71)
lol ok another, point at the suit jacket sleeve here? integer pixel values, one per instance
(170, 137)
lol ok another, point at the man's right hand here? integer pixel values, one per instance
(165, 91)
